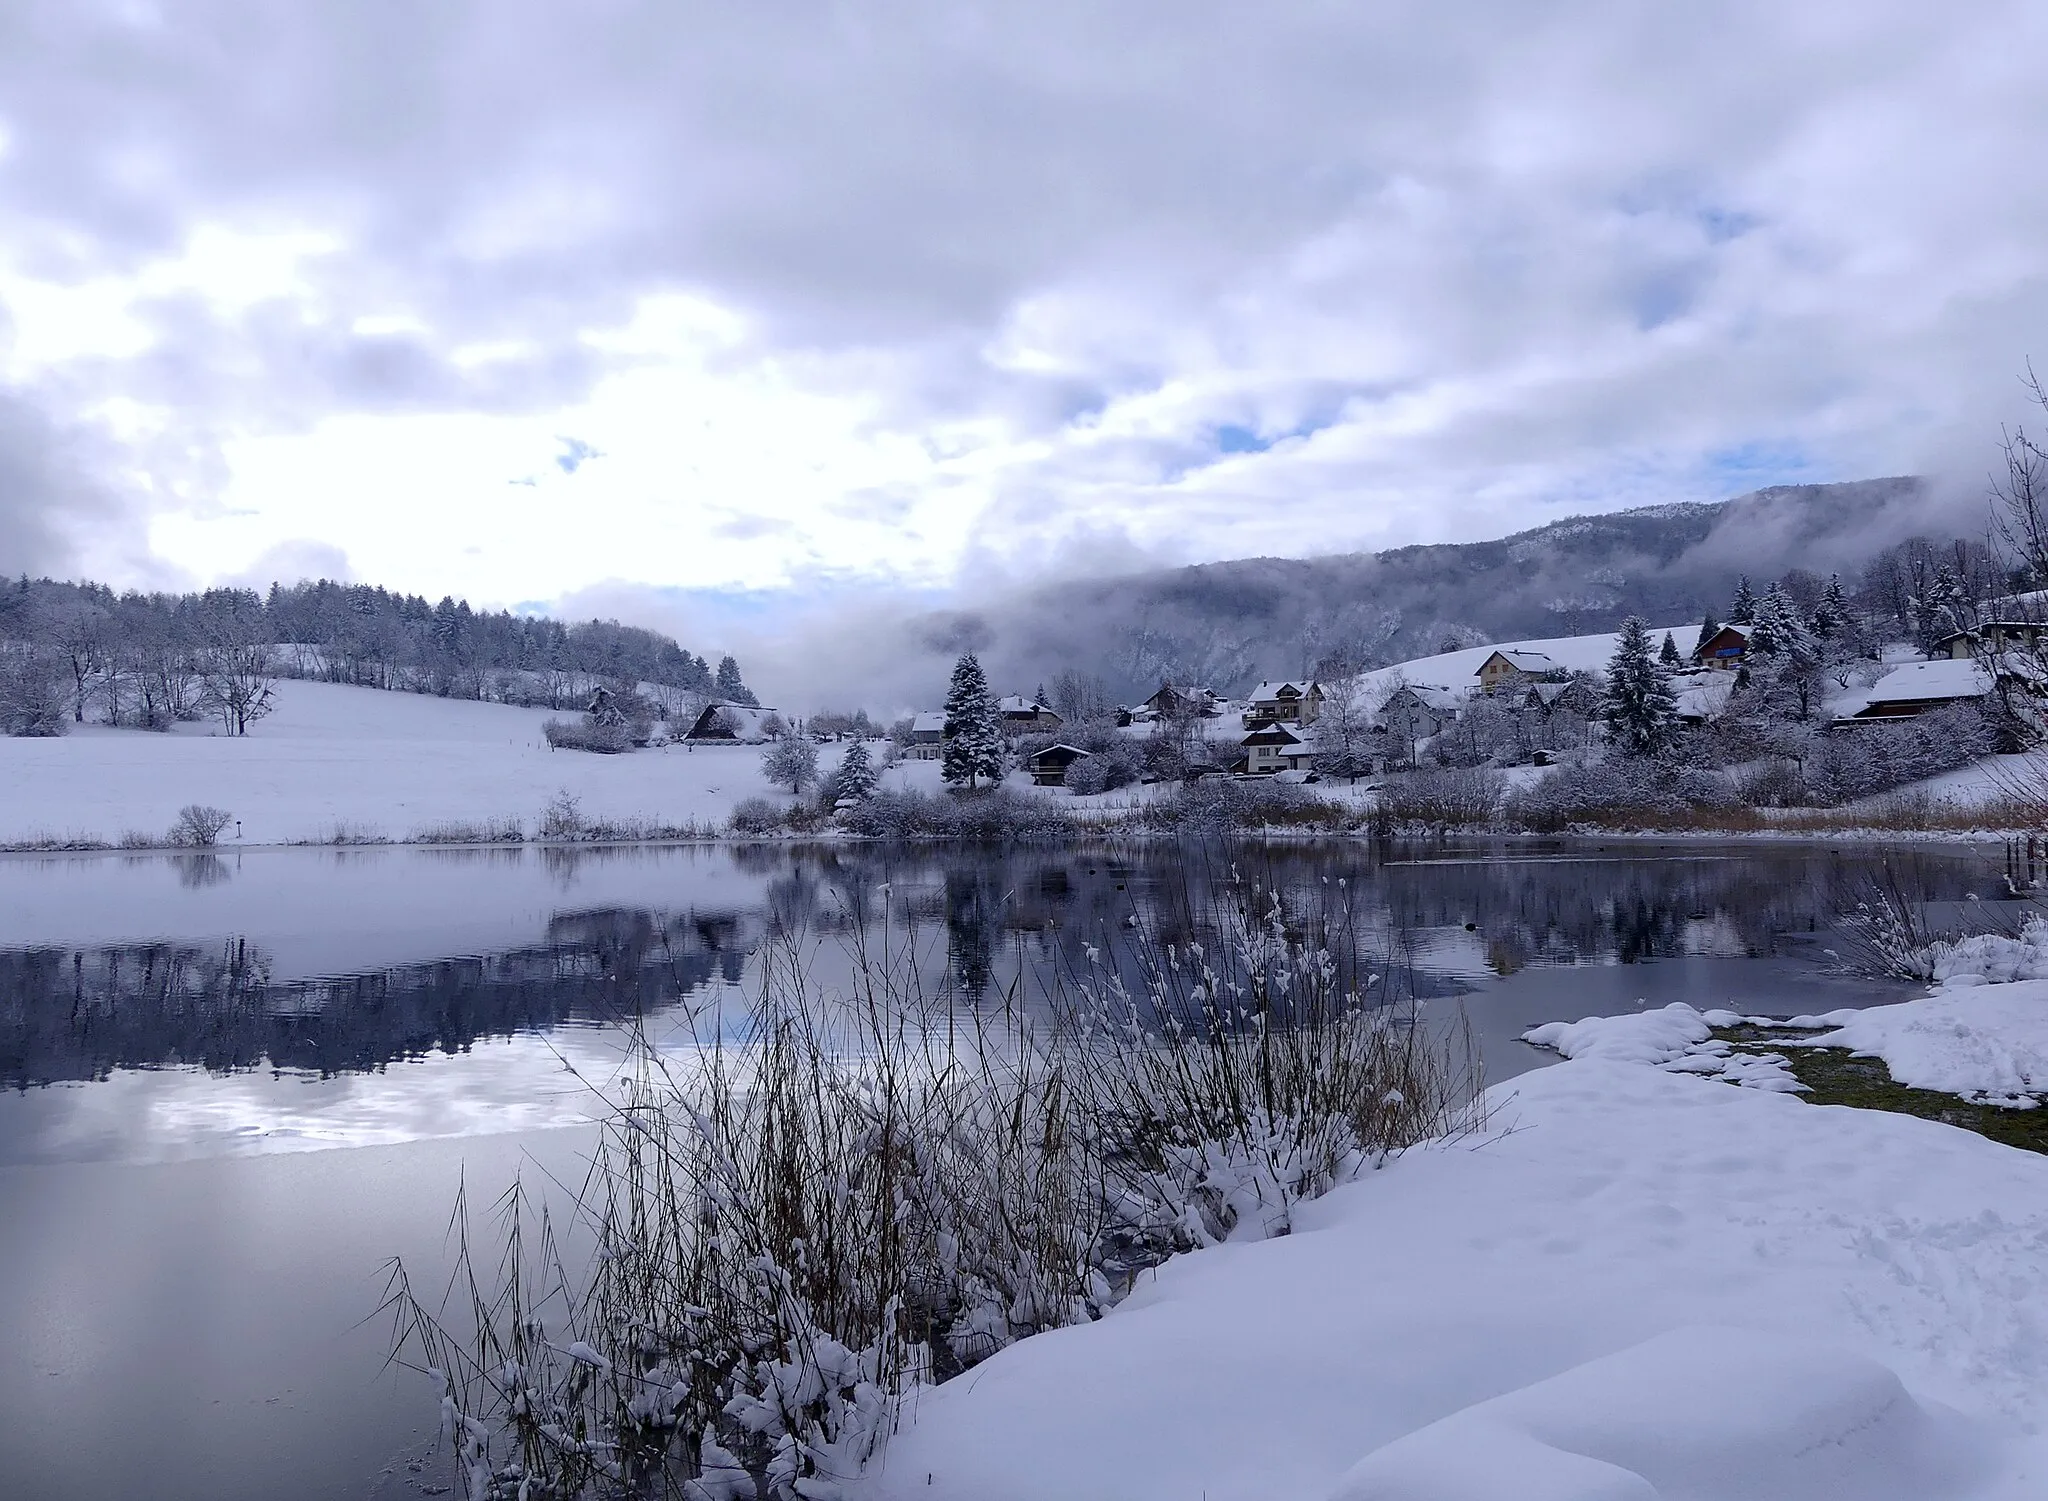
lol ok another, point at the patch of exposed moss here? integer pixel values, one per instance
(1835, 1076)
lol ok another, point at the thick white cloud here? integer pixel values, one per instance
(519, 299)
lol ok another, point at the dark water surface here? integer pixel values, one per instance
(232, 1086)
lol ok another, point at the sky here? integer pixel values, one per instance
(714, 313)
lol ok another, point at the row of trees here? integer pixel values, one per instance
(151, 660)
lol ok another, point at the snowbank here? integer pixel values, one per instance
(1987, 1043)
(1644, 1285)
(388, 763)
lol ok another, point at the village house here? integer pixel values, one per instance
(927, 736)
(1512, 664)
(1182, 701)
(1048, 767)
(1295, 703)
(1573, 696)
(736, 724)
(1275, 747)
(1415, 712)
(1025, 716)
(1724, 650)
(1994, 637)
(1919, 687)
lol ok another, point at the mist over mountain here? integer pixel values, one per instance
(1227, 624)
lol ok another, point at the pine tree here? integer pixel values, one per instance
(1831, 615)
(1709, 629)
(1641, 715)
(1778, 628)
(730, 688)
(855, 777)
(1667, 654)
(973, 734)
(1743, 610)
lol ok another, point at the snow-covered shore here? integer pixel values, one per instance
(384, 764)
(1639, 1283)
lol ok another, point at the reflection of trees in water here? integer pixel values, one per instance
(976, 921)
(80, 1013)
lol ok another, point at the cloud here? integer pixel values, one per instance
(906, 297)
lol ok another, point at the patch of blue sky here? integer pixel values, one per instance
(1758, 464)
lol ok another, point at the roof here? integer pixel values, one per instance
(1017, 703)
(1266, 692)
(1432, 695)
(748, 722)
(1930, 682)
(1071, 751)
(1522, 659)
(931, 722)
(1273, 734)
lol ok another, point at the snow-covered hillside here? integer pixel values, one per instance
(382, 763)
(1460, 669)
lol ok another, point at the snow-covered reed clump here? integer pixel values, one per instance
(846, 1195)
(1990, 958)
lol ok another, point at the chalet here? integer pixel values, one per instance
(1183, 701)
(1724, 650)
(1025, 716)
(927, 736)
(1512, 664)
(1920, 686)
(1275, 747)
(1048, 767)
(1285, 703)
(1573, 696)
(1994, 637)
(735, 724)
(1415, 712)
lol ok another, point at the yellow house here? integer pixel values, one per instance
(1511, 664)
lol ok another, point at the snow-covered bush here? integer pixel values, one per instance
(998, 815)
(1990, 958)
(587, 735)
(1444, 797)
(1217, 805)
(753, 817)
(1868, 759)
(1633, 792)
(562, 818)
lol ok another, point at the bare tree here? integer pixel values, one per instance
(238, 679)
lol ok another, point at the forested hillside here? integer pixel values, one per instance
(73, 652)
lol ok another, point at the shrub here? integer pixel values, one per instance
(198, 826)
(995, 816)
(756, 816)
(1221, 804)
(562, 818)
(1445, 798)
(583, 735)
(467, 831)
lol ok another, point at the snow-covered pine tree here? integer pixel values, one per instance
(1709, 629)
(1641, 715)
(730, 688)
(973, 735)
(1667, 654)
(855, 777)
(1742, 611)
(1831, 615)
(1778, 628)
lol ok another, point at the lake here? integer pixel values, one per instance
(236, 1084)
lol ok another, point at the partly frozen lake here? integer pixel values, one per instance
(236, 1084)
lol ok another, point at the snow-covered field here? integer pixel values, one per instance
(383, 763)
(1460, 669)
(1638, 1283)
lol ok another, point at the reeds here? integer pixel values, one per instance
(842, 1195)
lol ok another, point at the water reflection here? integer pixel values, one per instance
(1442, 922)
